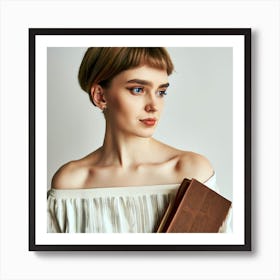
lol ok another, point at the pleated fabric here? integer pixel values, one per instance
(110, 210)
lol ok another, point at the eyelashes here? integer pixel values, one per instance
(162, 92)
(136, 90)
(140, 90)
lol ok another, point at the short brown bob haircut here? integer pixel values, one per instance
(101, 65)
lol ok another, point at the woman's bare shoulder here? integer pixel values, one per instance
(75, 174)
(71, 175)
(194, 165)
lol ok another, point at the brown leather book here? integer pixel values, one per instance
(195, 208)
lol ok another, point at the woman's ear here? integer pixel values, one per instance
(97, 96)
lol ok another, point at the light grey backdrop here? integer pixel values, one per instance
(197, 114)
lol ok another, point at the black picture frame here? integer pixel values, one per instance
(34, 33)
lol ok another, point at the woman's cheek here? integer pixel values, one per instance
(131, 104)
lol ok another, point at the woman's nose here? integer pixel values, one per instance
(150, 108)
(151, 105)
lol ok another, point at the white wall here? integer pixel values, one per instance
(197, 115)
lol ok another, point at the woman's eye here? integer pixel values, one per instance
(162, 93)
(136, 90)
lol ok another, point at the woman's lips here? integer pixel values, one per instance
(149, 121)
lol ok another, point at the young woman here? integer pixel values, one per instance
(126, 184)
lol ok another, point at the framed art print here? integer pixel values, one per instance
(207, 111)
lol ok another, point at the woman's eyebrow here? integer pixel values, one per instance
(146, 83)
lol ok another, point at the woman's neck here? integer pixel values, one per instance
(121, 149)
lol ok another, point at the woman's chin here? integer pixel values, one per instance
(146, 134)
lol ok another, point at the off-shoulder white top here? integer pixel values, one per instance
(110, 210)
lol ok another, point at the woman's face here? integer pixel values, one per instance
(135, 100)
